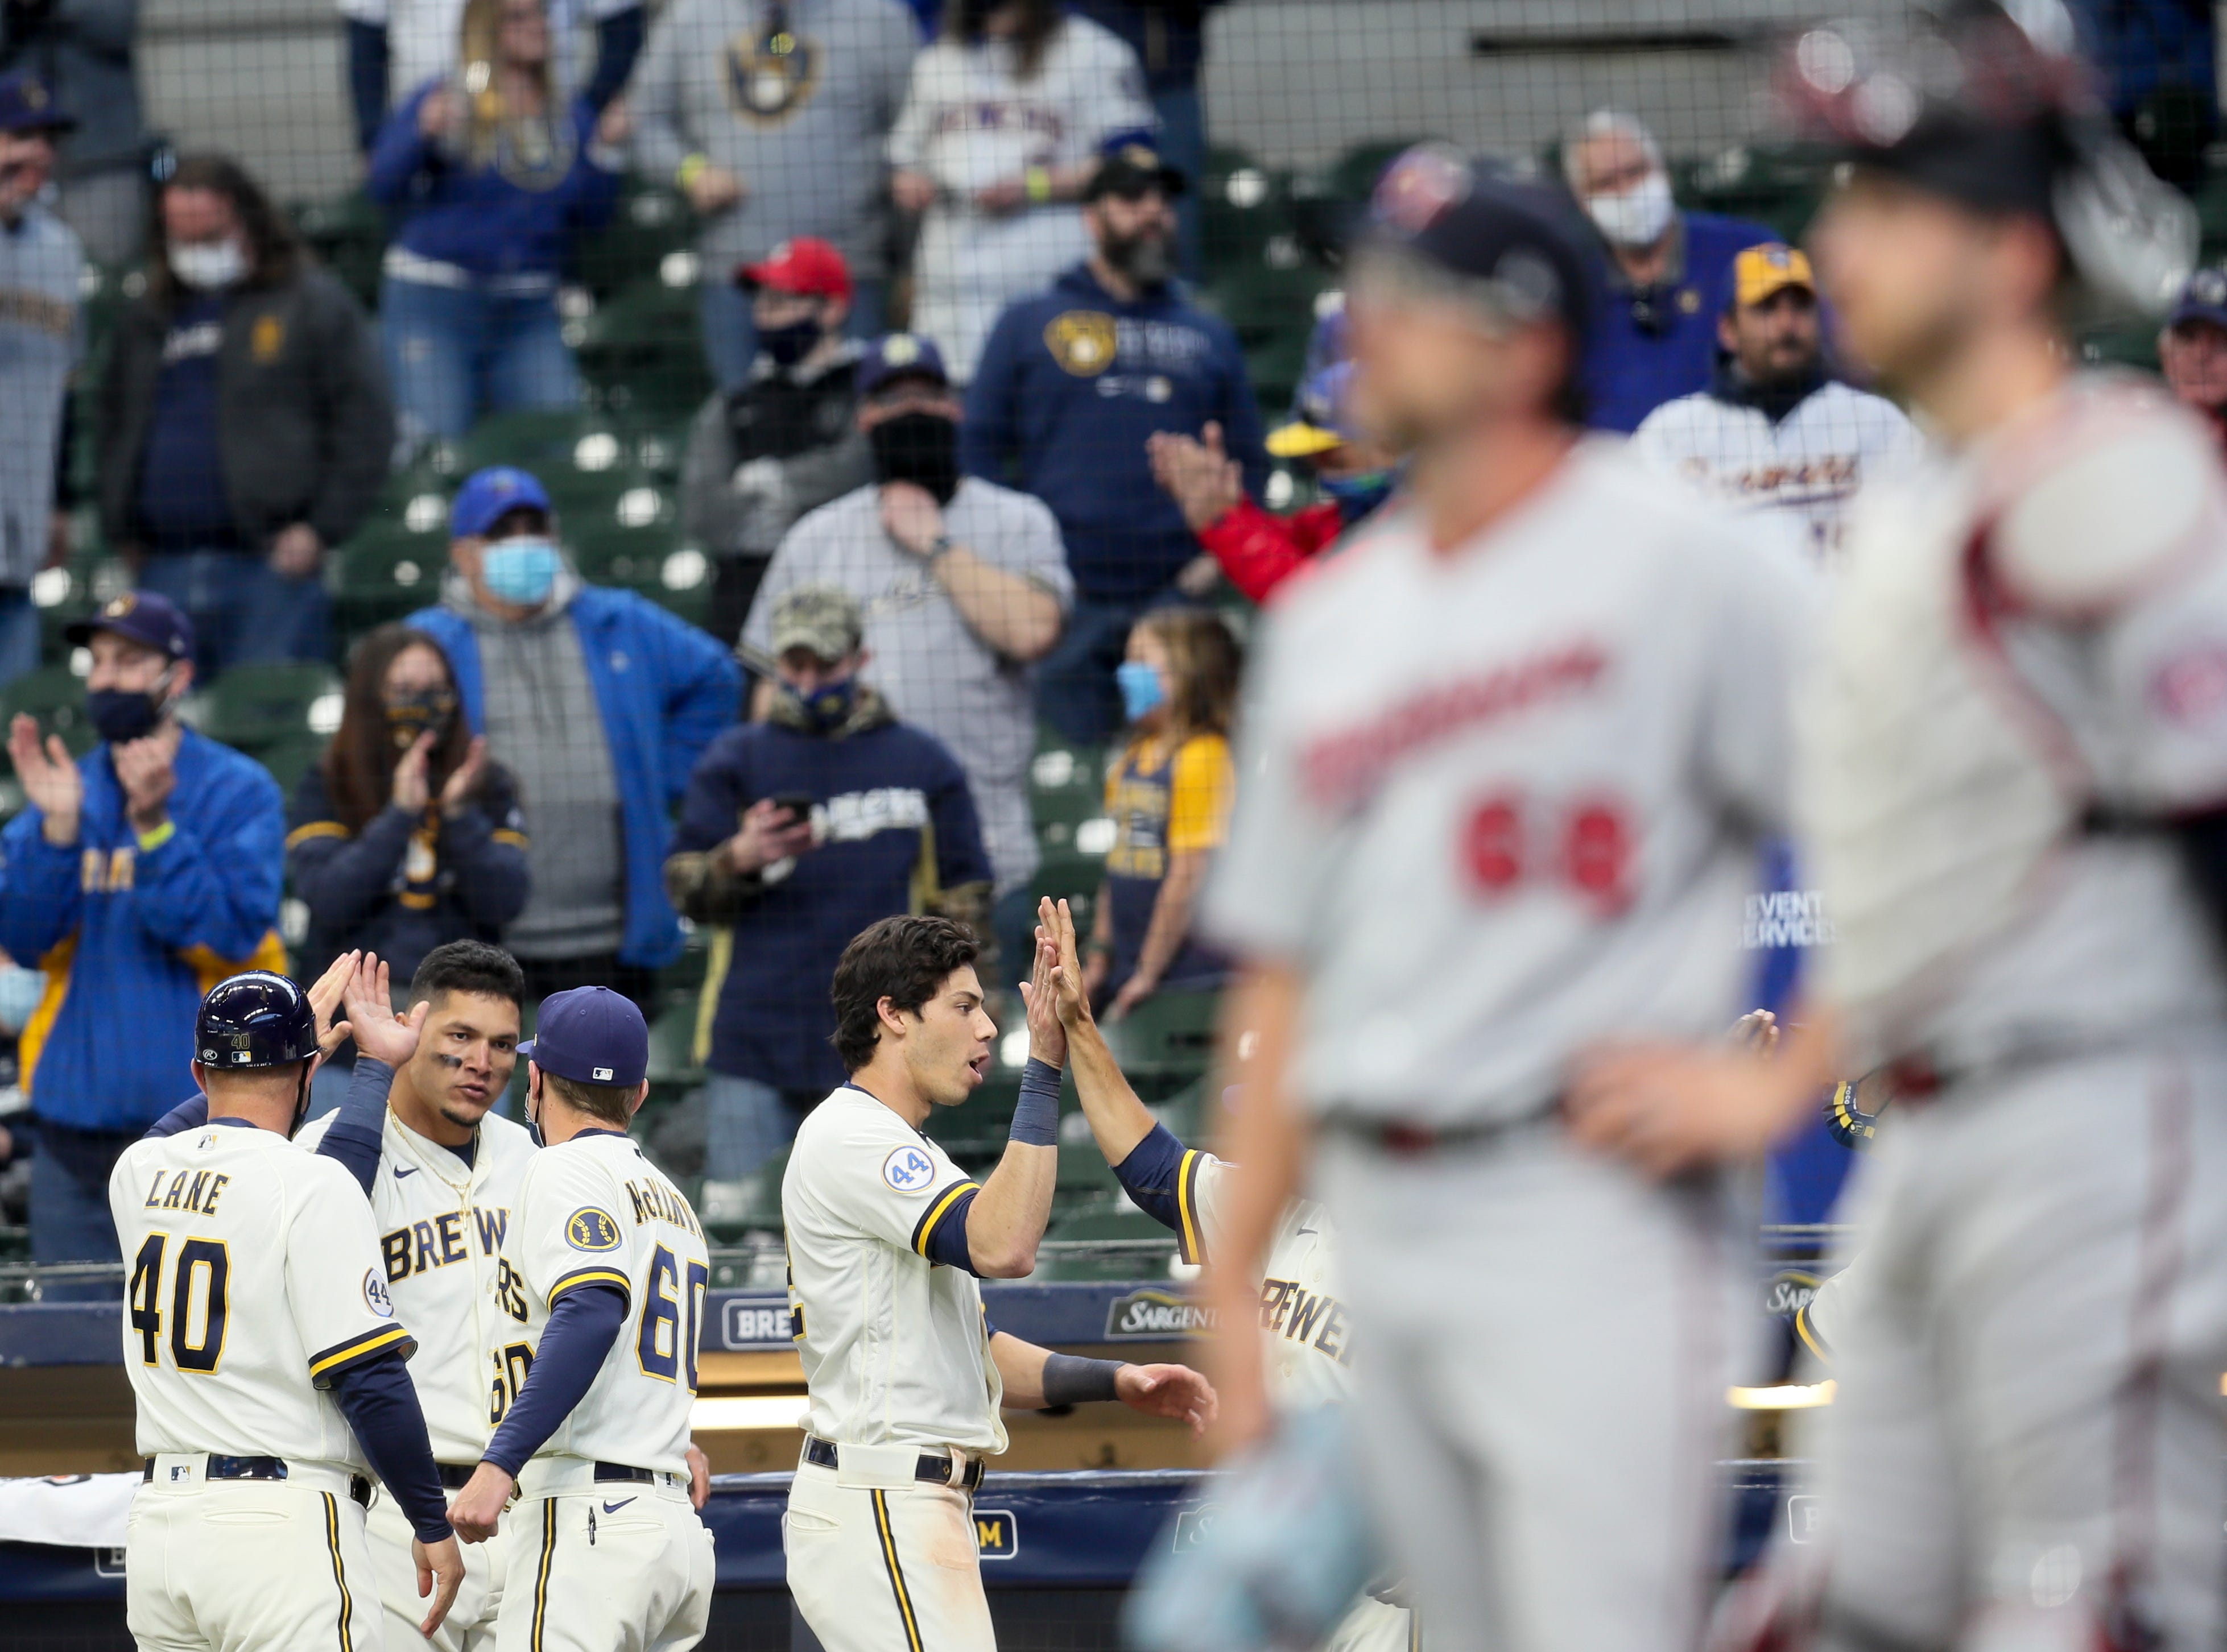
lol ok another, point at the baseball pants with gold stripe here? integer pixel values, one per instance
(248, 1565)
(885, 1569)
(469, 1626)
(620, 1567)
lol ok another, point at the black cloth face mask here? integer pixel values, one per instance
(919, 448)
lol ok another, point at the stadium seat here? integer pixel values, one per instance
(650, 224)
(348, 235)
(1067, 784)
(643, 352)
(55, 696)
(262, 708)
(673, 1047)
(584, 458)
(1166, 1041)
(1137, 1247)
(387, 570)
(1242, 207)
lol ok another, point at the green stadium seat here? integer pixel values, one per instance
(673, 1047)
(1067, 784)
(584, 458)
(348, 235)
(387, 570)
(650, 224)
(1243, 206)
(55, 698)
(263, 708)
(1138, 1247)
(291, 758)
(642, 352)
(1169, 1036)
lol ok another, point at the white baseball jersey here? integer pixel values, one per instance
(1303, 1322)
(2029, 632)
(893, 1345)
(442, 1224)
(255, 1280)
(1806, 467)
(594, 1211)
(968, 123)
(1500, 801)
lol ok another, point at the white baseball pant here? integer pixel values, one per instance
(2026, 1433)
(469, 1626)
(888, 1568)
(615, 1567)
(248, 1566)
(1545, 1340)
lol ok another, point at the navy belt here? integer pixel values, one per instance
(456, 1476)
(934, 1469)
(608, 1472)
(214, 1467)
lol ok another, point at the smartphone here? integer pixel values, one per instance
(799, 804)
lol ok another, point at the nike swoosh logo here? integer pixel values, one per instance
(614, 1507)
(399, 1172)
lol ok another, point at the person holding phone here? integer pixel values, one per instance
(797, 832)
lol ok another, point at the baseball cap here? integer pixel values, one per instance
(1322, 422)
(1518, 245)
(1128, 164)
(27, 105)
(490, 495)
(145, 617)
(2203, 299)
(803, 264)
(592, 1036)
(1759, 273)
(895, 356)
(821, 618)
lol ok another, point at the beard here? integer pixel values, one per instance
(1146, 258)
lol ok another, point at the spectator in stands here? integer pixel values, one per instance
(404, 836)
(1169, 37)
(1657, 337)
(787, 442)
(2192, 347)
(137, 878)
(999, 137)
(963, 584)
(1072, 385)
(1775, 433)
(80, 52)
(244, 422)
(491, 188)
(401, 44)
(1169, 792)
(1257, 552)
(770, 116)
(797, 832)
(598, 702)
(39, 268)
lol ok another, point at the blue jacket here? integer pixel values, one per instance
(897, 824)
(1629, 372)
(1070, 384)
(477, 217)
(665, 689)
(131, 939)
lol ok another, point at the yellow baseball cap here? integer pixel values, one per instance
(1760, 273)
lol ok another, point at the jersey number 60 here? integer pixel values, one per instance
(672, 1316)
(204, 1270)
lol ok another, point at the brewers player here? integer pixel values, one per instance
(603, 1278)
(266, 1360)
(1507, 764)
(886, 1238)
(2013, 778)
(1776, 432)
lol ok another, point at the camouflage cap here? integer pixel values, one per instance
(820, 618)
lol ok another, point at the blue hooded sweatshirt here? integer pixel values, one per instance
(1070, 384)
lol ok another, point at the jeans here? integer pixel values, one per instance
(730, 333)
(1183, 144)
(69, 1205)
(748, 1122)
(454, 355)
(1074, 682)
(19, 634)
(243, 611)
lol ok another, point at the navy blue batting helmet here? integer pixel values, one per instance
(257, 1019)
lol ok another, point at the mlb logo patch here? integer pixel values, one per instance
(602, 1074)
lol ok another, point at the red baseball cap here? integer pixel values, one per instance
(805, 266)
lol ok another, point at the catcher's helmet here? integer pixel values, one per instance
(258, 1019)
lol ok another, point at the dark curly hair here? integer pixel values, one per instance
(275, 252)
(904, 959)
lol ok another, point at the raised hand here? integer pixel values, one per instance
(1201, 478)
(1071, 983)
(1047, 1038)
(380, 1033)
(325, 995)
(50, 778)
(911, 516)
(1174, 1391)
(411, 788)
(456, 793)
(146, 771)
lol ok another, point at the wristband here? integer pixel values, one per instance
(1069, 1379)
(941, 545)
(1038, 182)
(151, 841)
(1036, 1115)
(691, 169)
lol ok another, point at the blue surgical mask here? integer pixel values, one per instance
(1141, 688)
(828, 707)
(520, 570)
(21, 990)
(1358, 496)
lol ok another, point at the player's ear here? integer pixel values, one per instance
(641, 1095)
(891, 1018)
(200, 1076)
(1727, 339)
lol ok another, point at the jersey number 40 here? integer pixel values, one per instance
(197, 1305)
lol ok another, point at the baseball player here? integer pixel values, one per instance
(600, 1290)
(2011, 775)
(1305, 1333)
(1776, 432)
(1507, 763)
(886, 1240)
(266, 1360)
